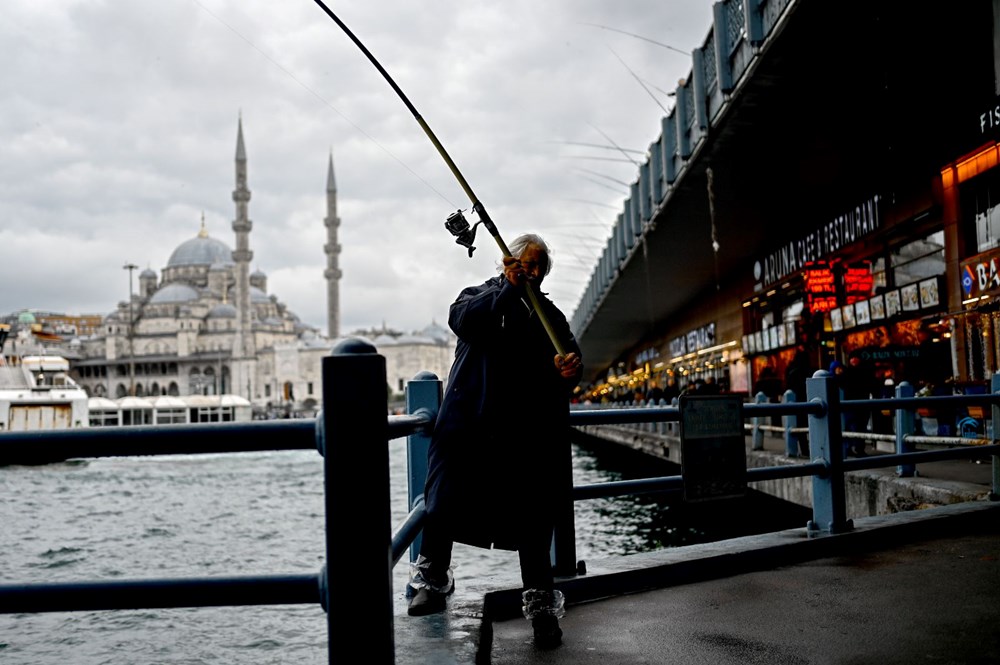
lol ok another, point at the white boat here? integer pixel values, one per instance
(37, 393)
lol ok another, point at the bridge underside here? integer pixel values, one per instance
(844, 101)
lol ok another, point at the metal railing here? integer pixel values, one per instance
(352, 434)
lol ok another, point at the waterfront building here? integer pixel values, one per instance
(820, 220)
(206, 325)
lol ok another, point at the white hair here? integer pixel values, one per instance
(522, 242)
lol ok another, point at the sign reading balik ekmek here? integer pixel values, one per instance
(713, 449)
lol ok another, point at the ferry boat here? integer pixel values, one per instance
(37, 393)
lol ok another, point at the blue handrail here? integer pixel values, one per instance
(351, 434)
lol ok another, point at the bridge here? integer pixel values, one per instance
(806, 131)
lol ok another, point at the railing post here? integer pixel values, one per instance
(423, 392)
(788, 420)
(563, 550)
(758, 434)
(906, 424)
(995, 434)
(826, 442)
(354, 442)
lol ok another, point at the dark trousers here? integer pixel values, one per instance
(533, 554)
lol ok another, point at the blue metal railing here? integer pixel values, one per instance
(352, 434)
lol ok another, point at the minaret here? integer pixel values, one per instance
(244, 352)
(332, 249)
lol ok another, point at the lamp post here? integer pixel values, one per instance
(131, 356)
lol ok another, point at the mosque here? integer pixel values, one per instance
(206, 325)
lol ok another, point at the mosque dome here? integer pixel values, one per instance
(147, 273)
(436, 332)
(223, 310)
(201, 251)
(175, 292)
(26, 317)
(258, 274)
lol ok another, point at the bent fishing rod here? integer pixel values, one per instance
(456, 222)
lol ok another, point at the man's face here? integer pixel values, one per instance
(534, 261)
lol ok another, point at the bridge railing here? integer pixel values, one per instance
(352, 434)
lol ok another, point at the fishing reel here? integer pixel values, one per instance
(459, 227)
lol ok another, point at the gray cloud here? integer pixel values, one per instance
(120, 123)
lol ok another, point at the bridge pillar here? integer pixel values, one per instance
(826, 444)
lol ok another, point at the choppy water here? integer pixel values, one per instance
(247, 514)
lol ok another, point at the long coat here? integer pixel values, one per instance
(503, 424)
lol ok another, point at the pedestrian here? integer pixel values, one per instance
(500, 435)
(857, 386)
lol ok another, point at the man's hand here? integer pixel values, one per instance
(514, 271)
(569, 365)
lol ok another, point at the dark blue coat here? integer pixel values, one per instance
(503, 424)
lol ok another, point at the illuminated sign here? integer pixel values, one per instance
(694, 340)
(981, 274)
(858, 282)
(847, 228)
(989, 120)
(820, 285)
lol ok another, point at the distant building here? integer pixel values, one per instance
(206, 325)
(429, 350)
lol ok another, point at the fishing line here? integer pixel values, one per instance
(324, 101)
(611, 141)
(639, 81)
(645, 39)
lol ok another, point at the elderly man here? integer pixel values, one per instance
(494, 454)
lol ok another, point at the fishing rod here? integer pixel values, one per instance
(456, 223)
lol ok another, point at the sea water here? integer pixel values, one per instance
(253, 514)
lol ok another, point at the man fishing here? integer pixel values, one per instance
(493, 457)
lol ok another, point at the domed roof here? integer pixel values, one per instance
(384, 340)
(26, 317)
(148, 272)
(434, 331)
(175, 292)
(256, 295)
(258, 273)
(223, 310)
(201, 251)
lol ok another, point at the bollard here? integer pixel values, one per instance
(423, 392)
(788, 420)
(357, 585)
(758, 434)
(906, 424)
(826, 443)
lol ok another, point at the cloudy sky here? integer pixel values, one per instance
(119, 125)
